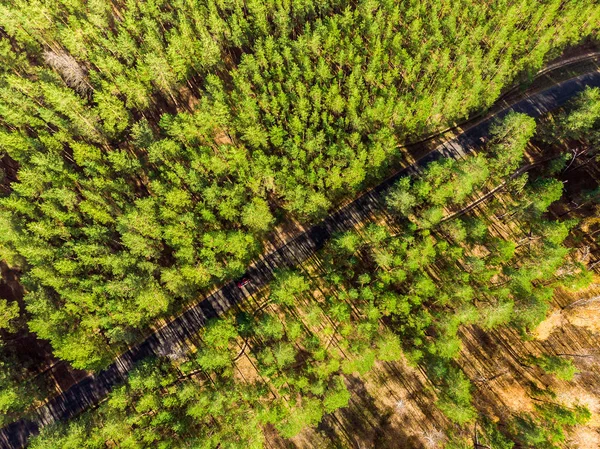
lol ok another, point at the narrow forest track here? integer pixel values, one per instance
(172, 338)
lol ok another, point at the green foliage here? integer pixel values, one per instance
(361, 364)
(284, 354)
(493, 315)
(9, 312)
(509, 138)
(562, 368)
(577, 121)
(309, 413)
(215, 355)
(493, 437)
(288, 286)
(154, 408)
(257, 216)
(583, 116)
(389, 347)
(337, 396)
(347, 243)
(546, 428)
(399, 199)
(460, 413)
(580, 279)
(455, 401)
(218, 333)
(270, 327)
(456, 442)
(543, 193)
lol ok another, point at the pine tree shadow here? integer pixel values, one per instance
(363, 424)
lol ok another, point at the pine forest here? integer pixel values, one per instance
(286, 224)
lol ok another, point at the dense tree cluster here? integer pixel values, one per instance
(373, 294)
(561, 367)
(578, 121)
(156, 408)
(545, 428)
(150, 142)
